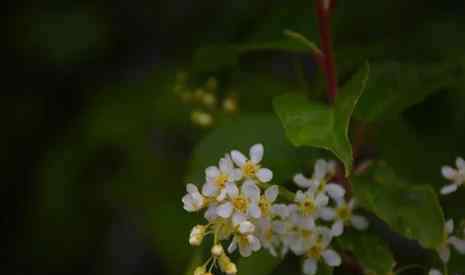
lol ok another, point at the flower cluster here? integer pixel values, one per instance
(204, 100)
(457, 178)
(242, 207)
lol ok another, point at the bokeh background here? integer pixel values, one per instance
(97, 147)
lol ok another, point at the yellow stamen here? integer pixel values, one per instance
(249, 169)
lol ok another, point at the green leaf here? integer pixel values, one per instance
(372, 252)
(395, 86)
(241, 134)
(310, 123)
(261, 263)
(214, 58)
(411, 210)
(302, 39)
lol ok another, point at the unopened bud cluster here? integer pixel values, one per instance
(242, 208)
(204, 100)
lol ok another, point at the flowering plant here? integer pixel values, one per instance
(247, 210)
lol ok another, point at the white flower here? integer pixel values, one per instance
(193, 200)
(335, 191)
(251, 168)
(434, 272)
(197, 234)
(342, 215)
(320, 249)
(241, 205)
(309, 205)
(245, 239)
(266, 200)
(458, 244)
(457, 176)
(268, 239)
(218, 178)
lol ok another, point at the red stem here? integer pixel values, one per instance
(329, 68)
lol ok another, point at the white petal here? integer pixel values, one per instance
(307, 222)
(335, 190)
(235, 175)
(225, 210)
(251, 191)
(337, 229)
(226, 165)
(302, 181)
(326, 235)
(256, 153)
(232, 190)
(434, 272)
(280, 210)
(254, 211)
(264, 174)
(191, 188)
(254, 242)
(331, 168)
(321, 200)
(209, 189)
(448, 172)
(238, 218)
(444, 253)
(359, 222)
(331, 257)
(212, 172)
(299, 196)
(460, 162)
(222, 195)
(246, 227)
(238, 158)
(310, 267)
(327, 213)
(320, 169)
(279, 227)
(210, 214)
(450, 188)
(245, 249)
(188, 203)
(232, 246)
(458, 244)
(271, 193)
(449, 226)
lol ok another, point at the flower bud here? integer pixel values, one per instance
(217, 250)
(202, 118)
(199, 270)
(209, 100)
(230, 269)
(197, 235)
(230, 104)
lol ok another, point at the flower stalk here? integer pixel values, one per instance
(323, 12)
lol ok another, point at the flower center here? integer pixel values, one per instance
(308, 207)
(307, 234)
(240, 203)
(221, 180)
(315, 251)
(265, 206)
(344, 213)
(249, 169)
(243, 241)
